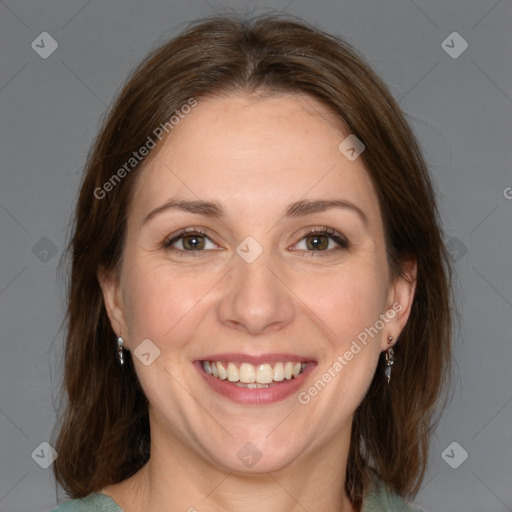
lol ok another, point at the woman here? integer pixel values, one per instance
(259, 307)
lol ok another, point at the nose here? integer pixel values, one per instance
(254, 300)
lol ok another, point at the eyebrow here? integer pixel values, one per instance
(207, 208)
(303, 208)
(294, 210)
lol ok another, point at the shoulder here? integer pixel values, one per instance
(379, 497)
(94, 502)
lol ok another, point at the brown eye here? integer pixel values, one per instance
(317, 242)
(193, 242)
(326, 240)
(189, 241)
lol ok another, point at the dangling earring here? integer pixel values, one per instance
(389, 359)
(120, 342)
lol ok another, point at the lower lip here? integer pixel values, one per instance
(255, 396)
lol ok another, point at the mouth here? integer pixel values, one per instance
(251, 376)
(254, 380)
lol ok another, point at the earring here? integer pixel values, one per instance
(120, 342)
(389, 359)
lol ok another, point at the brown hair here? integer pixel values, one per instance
(104, 434)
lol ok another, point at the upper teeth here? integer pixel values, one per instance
(248, 373)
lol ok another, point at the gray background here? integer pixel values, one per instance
(460, 108)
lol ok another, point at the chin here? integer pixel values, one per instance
(253, 457)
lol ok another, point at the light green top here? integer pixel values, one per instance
(377, 499)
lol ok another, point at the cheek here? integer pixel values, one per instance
(159, 302)
(347, 299)
(348, 304)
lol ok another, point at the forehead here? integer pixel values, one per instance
(255, 152)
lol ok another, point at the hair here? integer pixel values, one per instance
(104, 432)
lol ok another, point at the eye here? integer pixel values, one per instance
(322, 240)
(189, 240)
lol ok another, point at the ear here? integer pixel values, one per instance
(400, 299)
(113, 299)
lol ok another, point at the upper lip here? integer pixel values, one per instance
(255, 360)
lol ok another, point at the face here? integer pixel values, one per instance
(253, 241)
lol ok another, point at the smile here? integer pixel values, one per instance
(255, 380)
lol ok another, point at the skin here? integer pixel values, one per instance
(254, 156)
